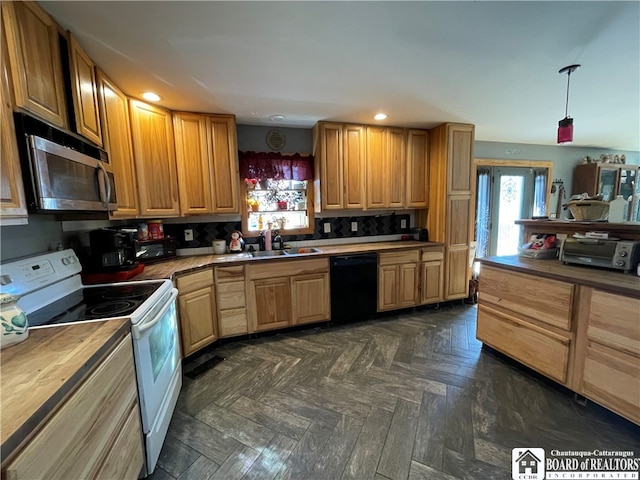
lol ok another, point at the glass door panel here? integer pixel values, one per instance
(607, 184)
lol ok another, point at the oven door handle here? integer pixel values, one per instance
(138, 330)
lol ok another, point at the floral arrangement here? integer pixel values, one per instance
(251, 183)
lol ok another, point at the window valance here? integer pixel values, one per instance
(262, 165)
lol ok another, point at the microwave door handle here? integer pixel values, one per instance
(138, 330)
(105, 183)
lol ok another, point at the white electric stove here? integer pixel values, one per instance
(52, 294)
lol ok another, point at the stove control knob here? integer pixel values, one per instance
(68, 260)
(620, 263)
(623, 253)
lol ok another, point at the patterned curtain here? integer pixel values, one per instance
(263, 165)
(483, 211)
(540, 193)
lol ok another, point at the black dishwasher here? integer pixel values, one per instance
(354, 287)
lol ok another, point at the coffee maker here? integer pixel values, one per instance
(111, 251)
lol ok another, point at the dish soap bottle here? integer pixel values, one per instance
(617, 210)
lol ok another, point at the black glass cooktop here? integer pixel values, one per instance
(94, 303)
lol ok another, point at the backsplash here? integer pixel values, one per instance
(205, 233)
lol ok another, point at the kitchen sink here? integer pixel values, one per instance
(302, 251)
(268, 253)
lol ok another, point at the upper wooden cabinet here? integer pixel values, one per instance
(34, 57)
(450, 218)
(116, 132)
(155, 160)
(207, 159)
(340, 165)
(417, 169)
(84, 89)
(386, 166)
(12, 200)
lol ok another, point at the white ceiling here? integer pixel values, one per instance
(493, 64)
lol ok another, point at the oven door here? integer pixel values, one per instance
(157, 355)
(67, 180)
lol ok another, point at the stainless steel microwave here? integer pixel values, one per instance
(65, 180)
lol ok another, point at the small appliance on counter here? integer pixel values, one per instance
(111, 250)
(150, 251)
(420, 234)
(605, 253)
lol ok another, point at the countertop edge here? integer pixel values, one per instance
(30, 427)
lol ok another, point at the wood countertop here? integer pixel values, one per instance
(38, 374)
(611, 281)
(188, 264)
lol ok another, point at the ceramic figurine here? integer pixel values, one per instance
(237, 243)
(14, 322)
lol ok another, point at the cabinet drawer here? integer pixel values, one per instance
(231, 295)
(548, 301)
(394, 258)
(73, 443)
(432, 254)
(542, 350)
(613, 379)
(126, 456)
(194, 281)
(620, 331)
(233, 322)
(287, 268)
(229, 274)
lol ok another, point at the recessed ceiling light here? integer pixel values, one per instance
(277, 118)
(152, 97)
(380, 116)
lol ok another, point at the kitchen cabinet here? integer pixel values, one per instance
(207, 160)
(232, 300)
(155, 160)
(417, 169)
(116, 133)
(35, 63)
(84, 91)
(197, 310)
(95, 433)
(451, 215)
(610, 372)
(431, 275)
(340, 152)
(534, 327)
(286, 293)
(385, 167)
(398, 280)
(13, 205)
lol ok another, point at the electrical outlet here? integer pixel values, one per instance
(403, 223)
(327, 227)
(188, 235)
(354, 226)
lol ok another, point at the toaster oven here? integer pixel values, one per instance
(615, 254)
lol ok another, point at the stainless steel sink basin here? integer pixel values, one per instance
(268, 253)
(302, 251)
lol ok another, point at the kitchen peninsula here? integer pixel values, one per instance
(579, 326)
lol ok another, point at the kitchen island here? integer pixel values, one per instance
(579, 326)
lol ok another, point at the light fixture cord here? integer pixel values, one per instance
(566, 106)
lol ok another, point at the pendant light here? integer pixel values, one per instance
(565, 126)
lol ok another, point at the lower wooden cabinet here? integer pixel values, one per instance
(397, 280)
(287, 293)
(232, 301)
(431, 275)
(197, 310)
(96, 433)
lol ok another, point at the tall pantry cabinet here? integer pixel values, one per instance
(450, 218)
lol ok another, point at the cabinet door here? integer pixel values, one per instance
(116, 134)
(310, 296)
(396, 167)
(377, 181)
(194, 168)
(85, 93)
(457, 280)
(331, 162)
(198, 326)
(12, 199)
(460, 155)
(458, 237)
(34, 56)
(354, 166)
(608, 182)
(417, 169)
(271, 300)
(388, 280)
(408, 285)
(432, 282)
(126, 457)
(152, 135)
(224, 162)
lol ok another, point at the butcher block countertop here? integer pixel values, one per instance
(38, 374)
(188, 264)
(602, 279)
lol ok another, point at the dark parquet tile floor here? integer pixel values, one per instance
(410, 396)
